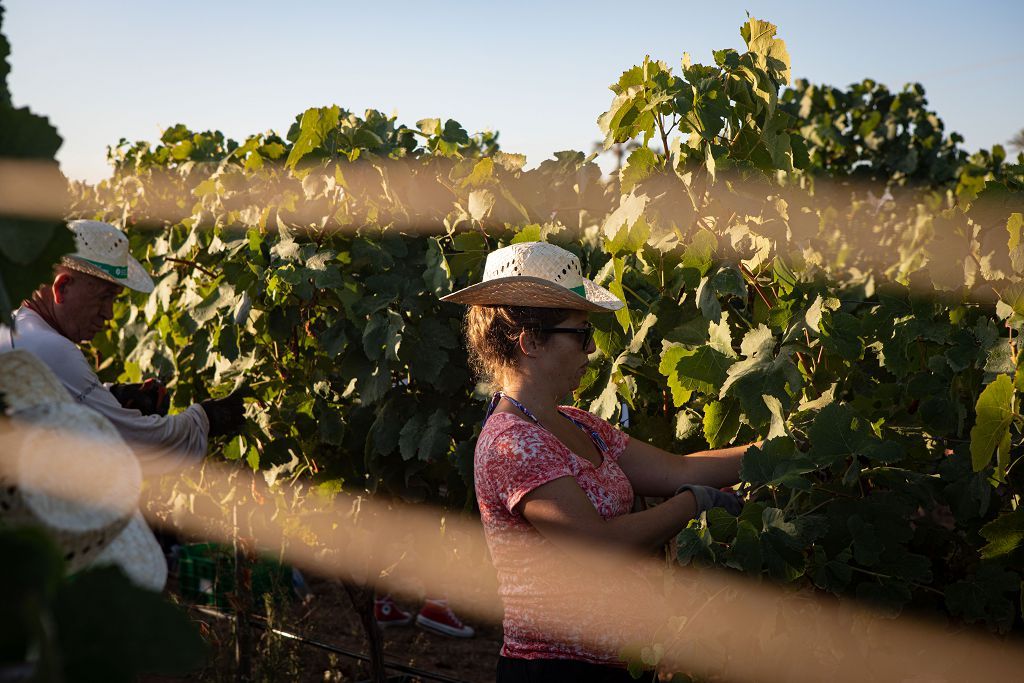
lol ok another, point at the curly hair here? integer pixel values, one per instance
(492, 336)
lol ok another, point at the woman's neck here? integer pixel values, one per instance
(540, 401)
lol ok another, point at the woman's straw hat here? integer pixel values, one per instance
(536, 274)
(65, 468)
(101, 250)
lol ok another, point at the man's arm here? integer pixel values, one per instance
(161, 443)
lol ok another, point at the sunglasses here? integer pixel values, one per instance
(587, 332)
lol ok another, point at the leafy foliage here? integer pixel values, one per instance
(54, 627)
(315, 276)
(851, 324)
(870, 132)
(870, 370)
(28, 247)
(69, 626)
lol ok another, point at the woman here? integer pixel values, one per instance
(549, 477)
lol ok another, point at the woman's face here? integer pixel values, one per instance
(563, 356)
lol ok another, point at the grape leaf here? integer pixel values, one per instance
(760, 373)
(991, 431)
(721, 422)
(836, 436)
(703, 369)
(1005, 534)
(776, 463)
(983, 596)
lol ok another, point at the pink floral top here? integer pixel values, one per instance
(513, 457)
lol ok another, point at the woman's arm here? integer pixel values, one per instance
(561, 512)
(654, 472)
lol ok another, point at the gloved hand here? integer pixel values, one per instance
(149, 397)
(709, 497)
(226, 415)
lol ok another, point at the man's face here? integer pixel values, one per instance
(83, 304)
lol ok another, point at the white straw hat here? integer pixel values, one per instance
(536, 274)
(65, 468)
(101, 250)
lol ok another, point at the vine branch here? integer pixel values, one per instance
(187, 262)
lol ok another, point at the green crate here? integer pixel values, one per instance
(206, 575)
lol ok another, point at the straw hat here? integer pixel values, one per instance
(101, 250)
(51, 451)
(535, 274)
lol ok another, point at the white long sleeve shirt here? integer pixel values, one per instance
(163, 443)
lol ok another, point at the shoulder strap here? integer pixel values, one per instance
(496, 398)
(589, 431)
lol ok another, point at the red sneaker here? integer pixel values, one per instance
(438, 617)
(387, 613)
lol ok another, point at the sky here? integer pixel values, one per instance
(538, 72)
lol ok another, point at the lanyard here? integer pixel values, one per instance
(594, 436)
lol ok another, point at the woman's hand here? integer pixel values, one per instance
(708, 498)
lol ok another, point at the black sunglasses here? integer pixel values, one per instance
(586, 331)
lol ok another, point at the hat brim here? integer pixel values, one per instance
(93, 521)
(26, 382)
(138, 279)
(525, 290)
(137, 552)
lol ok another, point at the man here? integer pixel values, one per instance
(73, 309)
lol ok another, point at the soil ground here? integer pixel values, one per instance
(330, 618)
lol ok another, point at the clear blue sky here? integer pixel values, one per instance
(536, 71)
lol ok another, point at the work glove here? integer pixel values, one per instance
(149, 397)
(709, 497)
(226, 415)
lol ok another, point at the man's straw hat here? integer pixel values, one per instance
(65, 468)
(101, 250)
(536, 274)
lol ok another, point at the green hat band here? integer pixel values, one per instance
(120, 272)
(579, 290)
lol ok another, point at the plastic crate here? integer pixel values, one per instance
(206, 575)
